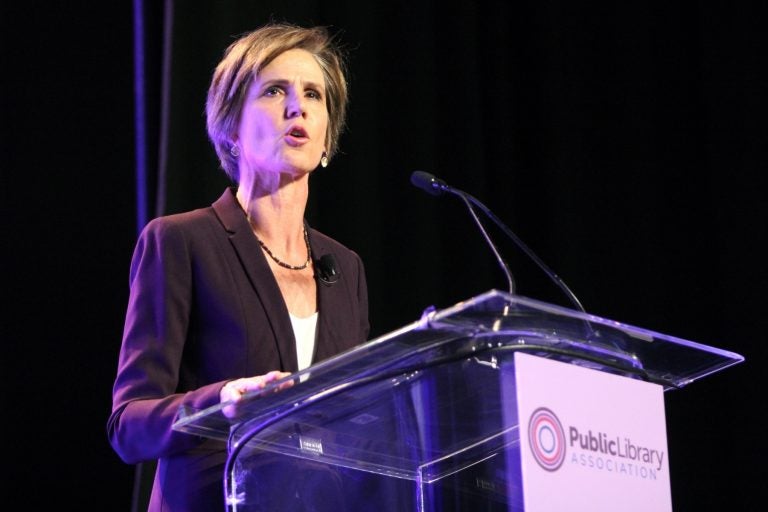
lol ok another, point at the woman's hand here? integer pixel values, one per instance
(235, 389)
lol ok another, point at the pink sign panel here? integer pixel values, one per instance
(590, 440)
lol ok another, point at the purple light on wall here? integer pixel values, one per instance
(140, 113)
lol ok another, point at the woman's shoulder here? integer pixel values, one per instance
(183, 221)
(191, 220)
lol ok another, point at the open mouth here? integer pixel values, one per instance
(298, 132)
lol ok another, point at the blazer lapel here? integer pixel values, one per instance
(260, 276)
(329, 299)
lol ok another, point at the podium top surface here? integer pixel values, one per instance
(487, 325)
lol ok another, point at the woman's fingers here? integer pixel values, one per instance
(235, 389)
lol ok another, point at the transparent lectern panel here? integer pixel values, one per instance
(446, 433)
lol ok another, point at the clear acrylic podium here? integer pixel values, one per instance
(419, 419)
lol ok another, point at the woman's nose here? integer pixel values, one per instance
(294, 107)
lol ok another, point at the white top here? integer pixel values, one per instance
(304, 331)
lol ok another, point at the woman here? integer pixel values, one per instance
(226, 299)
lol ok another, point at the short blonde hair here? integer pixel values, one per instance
(243, 61)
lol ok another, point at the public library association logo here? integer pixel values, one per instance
(546, 438)
(591, 449)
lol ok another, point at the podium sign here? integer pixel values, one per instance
(446, 413)
(599, 439)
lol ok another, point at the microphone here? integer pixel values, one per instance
(326, 269)
(428, 183)
(435, 186)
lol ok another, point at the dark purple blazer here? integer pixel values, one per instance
(205, 308)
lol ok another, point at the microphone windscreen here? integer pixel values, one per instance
(426, 182)
(327, 269)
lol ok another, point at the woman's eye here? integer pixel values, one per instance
(272, 91)
(313, 95)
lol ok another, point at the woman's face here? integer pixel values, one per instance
(284, 119)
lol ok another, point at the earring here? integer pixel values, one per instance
(324, 159)
(234, 151)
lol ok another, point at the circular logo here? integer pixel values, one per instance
(546, 439)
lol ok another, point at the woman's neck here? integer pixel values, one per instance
(276, 213)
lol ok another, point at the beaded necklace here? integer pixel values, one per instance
(283, 264)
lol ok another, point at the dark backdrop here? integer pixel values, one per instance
(624, 142)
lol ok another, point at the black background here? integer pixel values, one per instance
(624, 142)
